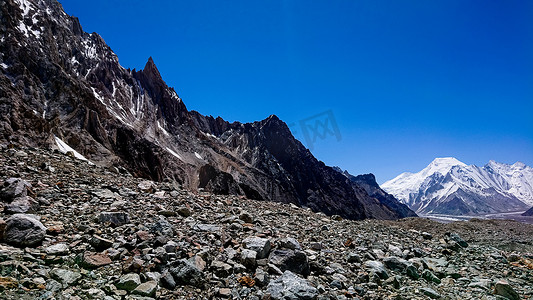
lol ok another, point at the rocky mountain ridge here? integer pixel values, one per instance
(448, 186)
(60, 85)
(72, 230)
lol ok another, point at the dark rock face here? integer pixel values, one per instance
(58, 81)
(369, 184)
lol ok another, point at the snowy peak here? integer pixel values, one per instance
(442, 165)
(449, 186)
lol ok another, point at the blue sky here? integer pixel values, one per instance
(406, 81)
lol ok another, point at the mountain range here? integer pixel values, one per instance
(449, 186)
(63, 88)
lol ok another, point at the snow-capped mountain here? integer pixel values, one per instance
(449, 186)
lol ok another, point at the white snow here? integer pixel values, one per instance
(197, 155)
(162, 129)
(407, 183)
(174, 153)
(97, 95)
(25, 5)
(3, 65)
(64, 148)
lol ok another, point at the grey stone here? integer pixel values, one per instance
(290, 243)
(353, 257)
(248, 258)
(146, 289)
(430, 277)
(504, 289)
(128, 282)
(456, 238)
(24, 230)
(188, 273)
(259, 245)
(115, 218)
(430, 293)
(221, 269)
(66, 277)
(57, 249)
(14, 188)
(291, 287)
(167, 281)
(376, 267)
(20, 205)
(291, 260)
(394, 263)
(100, 243)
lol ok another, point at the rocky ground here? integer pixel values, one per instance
(71, 230)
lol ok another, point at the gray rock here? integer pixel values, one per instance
(221, 269)
(353, 257)
(206, 227)
(167, 281)
(57, 249)
(128, 282)
(291, 287)
(290, 243)
(259, 245)
(291, 260)
(430, 277)
(412, 272)
(248, 258)
(430, 293)
(188, 273)
(115, 218)
(504, 289)
(261, 277)
(376, 267)
(162, 227)
(53, 286)
(456, 238)
(24, 230)
(394, 281)
(66, 277)
(100, 243)
(20, 205)
(14, 188)
(153, 276)
(146, 289)
(394, 263)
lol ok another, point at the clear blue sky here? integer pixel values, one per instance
(407, 81)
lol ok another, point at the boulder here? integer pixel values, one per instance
(291, 260)
(146, 289)
(14, 188)
(24, 230)
(188, 273)
(290, 286)
(259, 245)
(20, 205)
(128, 282)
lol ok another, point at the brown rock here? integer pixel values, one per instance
(93, 260)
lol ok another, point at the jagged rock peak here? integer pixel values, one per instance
(150, 69)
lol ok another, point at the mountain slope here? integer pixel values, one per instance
(59, 84)
(448, 186)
